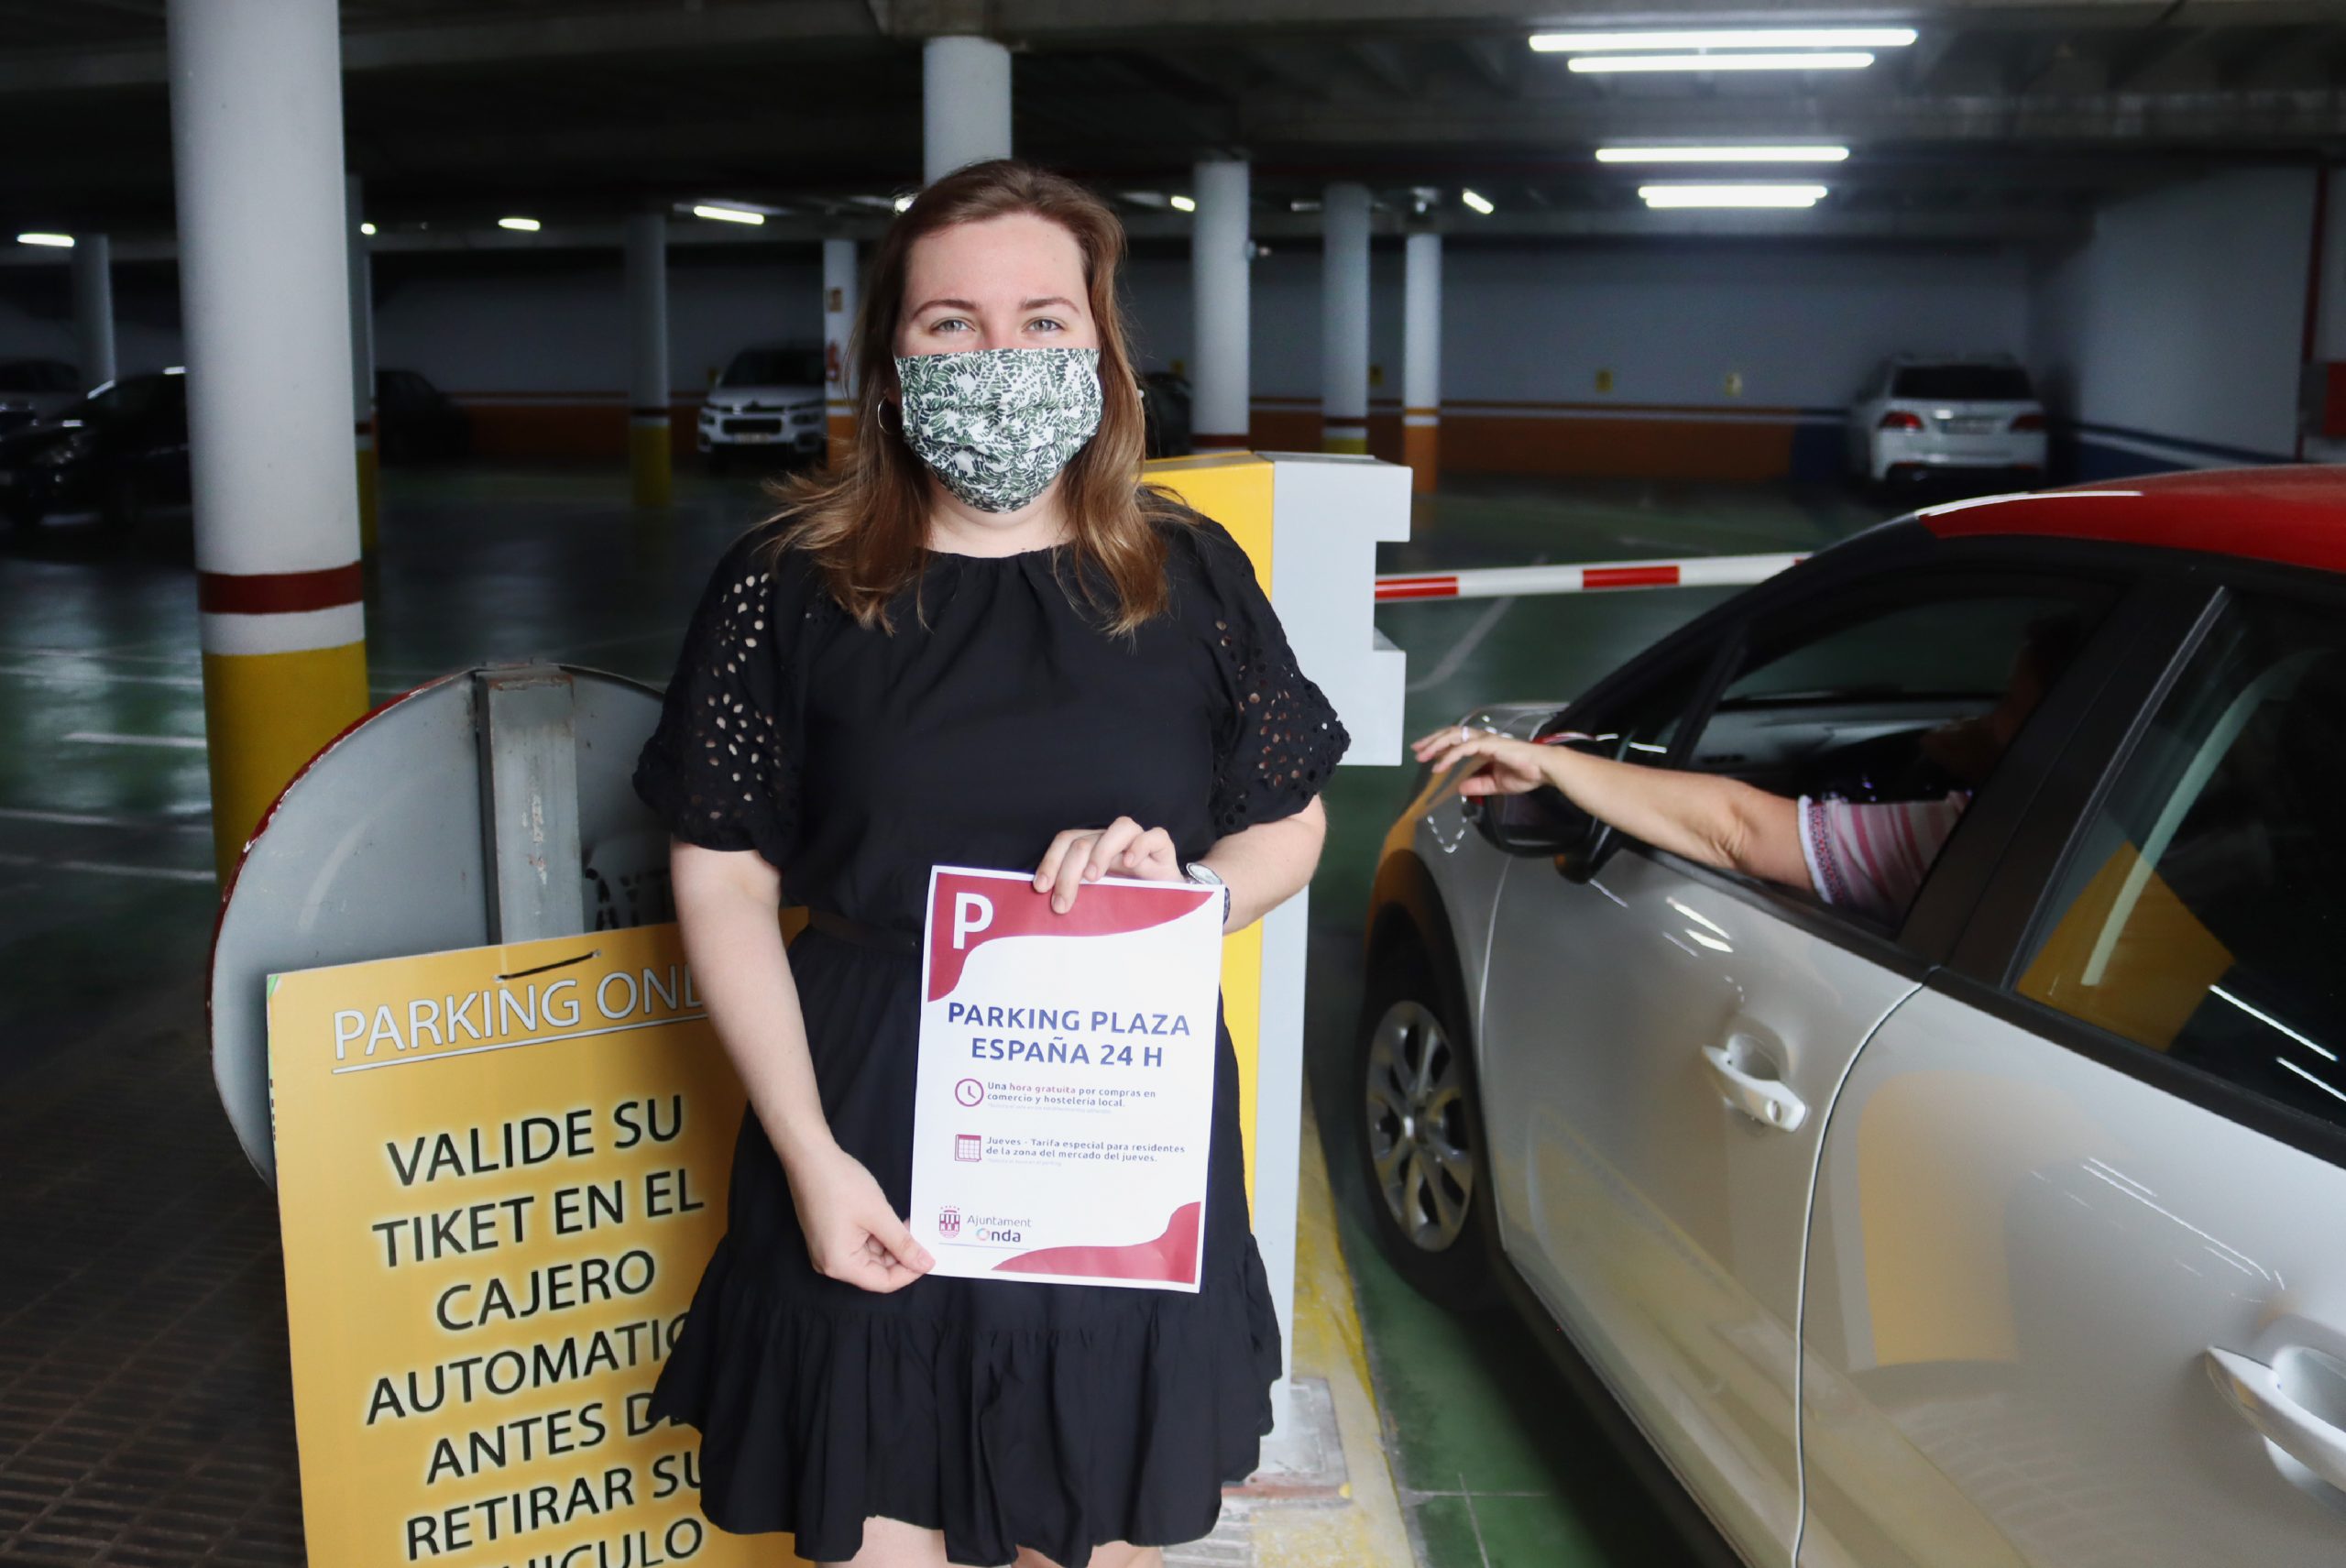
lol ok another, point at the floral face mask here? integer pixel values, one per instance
(997, 424)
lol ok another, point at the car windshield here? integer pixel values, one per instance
(1963, 383)
(775, 368)
(119, 400)
(35, 376)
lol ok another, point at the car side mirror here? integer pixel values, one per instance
(1540, 822)
(1584, 859)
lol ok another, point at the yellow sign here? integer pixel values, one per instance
(501, 1172)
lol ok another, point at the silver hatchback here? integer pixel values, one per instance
(2012, 1231)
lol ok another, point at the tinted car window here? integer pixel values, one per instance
(2202, 911)
(117, 400)
(775, 368)
(1641, 726)
(1883, 700)
(31, 376)
(1962, 383)
(1888, 706)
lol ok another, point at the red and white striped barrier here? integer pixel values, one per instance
(1499, 582)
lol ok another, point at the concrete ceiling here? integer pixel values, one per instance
(2005, 120)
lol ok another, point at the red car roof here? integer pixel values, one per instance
(2292, 514)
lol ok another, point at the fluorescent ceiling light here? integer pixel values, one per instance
(366, 229)
(1731, 195)
(729, 214)
(527, 226)
(902, 202)
(1185, 204)
(1724, 38)
(1476, 199)
(64, 241)
(1721, 154)
(1586, 63)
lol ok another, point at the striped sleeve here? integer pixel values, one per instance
(1871, 857)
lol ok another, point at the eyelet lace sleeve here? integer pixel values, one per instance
(1281, 739)
(720, 767)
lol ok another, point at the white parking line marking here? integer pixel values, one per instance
(102, 738)
(108, 868)
(1464, 647)
(121, 677)
(101, 819)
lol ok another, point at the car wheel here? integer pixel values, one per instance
(1421, 1135)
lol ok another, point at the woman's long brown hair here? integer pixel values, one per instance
(864, 521)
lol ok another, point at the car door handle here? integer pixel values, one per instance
(2254, 1389)
(1767, 1101)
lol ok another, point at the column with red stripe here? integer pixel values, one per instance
(264, 295)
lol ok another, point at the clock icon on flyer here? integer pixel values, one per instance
(969, 1092)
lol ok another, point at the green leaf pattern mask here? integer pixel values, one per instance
(997, 424)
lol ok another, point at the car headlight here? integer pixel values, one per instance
(71, 449)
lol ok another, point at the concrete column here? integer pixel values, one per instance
(362, 360)
(264, 293)
(94, 308)
(965, 103)
(648, 441)
(1220, 378)
(1421, 358)
(1343, 318)
(839, 322)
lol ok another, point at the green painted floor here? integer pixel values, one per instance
(106, 898)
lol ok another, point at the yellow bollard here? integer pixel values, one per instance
(264, 716)
(650, 458)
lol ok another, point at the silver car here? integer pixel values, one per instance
(2014, 1231)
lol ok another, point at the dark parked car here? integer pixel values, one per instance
(33, 389)
(415, 422)
(119, 450)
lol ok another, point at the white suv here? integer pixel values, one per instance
(769, 401)
(1920, 417)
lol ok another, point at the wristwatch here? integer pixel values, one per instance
(1204, 875)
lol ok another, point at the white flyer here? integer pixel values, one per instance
(1065, 1101)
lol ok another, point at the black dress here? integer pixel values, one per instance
(1004, 1413)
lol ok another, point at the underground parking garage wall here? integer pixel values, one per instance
(1715, 359)
(2171, 337)
(1718, 359)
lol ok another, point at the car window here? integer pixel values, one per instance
(775, 368)
(1842, 703)
(1963, 383)
(2201, 911)
(1640, 725)
(1887, 707)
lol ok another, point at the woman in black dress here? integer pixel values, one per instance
(978, 640)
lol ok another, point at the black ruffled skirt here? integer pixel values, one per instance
(1004, 1413)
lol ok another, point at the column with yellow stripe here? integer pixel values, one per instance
(264, 286)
